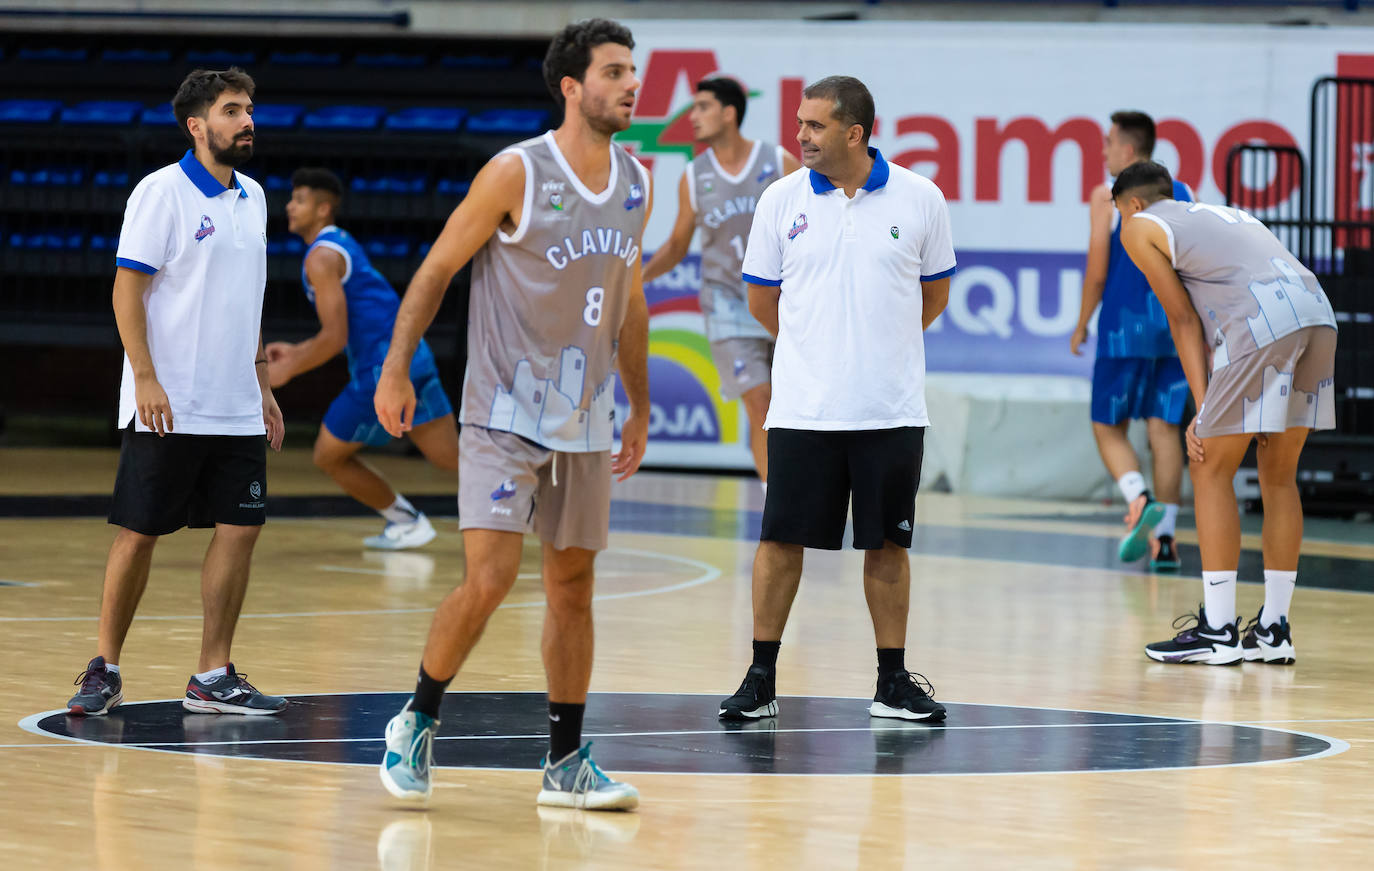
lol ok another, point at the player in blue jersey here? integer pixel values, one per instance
(1137, 374)
(357, 310)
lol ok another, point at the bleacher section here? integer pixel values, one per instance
(405, 122)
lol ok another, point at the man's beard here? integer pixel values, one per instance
(604, 118)
(230, 154)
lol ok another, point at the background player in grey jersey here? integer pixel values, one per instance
(551, 226)
(717, 194)
(1230, 288)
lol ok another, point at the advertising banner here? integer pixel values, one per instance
(1008, 120)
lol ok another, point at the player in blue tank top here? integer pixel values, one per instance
(1137, 375)
(357, 310)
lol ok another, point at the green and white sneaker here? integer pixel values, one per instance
(575, 781)
(409, 751)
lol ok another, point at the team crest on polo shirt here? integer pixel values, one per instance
(207, 228)
(636, 197)
(894, 231)
(798, 226)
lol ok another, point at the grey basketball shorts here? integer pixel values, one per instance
(1289, 383)
(743, 365)
(510, 484)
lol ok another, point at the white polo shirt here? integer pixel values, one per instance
(206, 247)
(850, 353)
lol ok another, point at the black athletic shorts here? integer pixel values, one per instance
(812, 474)
(167, 482)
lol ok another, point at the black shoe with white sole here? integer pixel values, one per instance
(1272, 644)
(756, 697)
(1198, 642)
(230, 693)
(905, 696)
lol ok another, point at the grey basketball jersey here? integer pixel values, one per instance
(548, 302)
(724, 206)
(1247, 288)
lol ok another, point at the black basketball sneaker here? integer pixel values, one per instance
(756, 697)
(905, 696)
(1198, 642)
(1166, 558)
(1272, 644)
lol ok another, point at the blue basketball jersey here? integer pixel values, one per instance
(1132, 322)
(372, 307)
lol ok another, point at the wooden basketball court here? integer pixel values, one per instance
(1064, 747)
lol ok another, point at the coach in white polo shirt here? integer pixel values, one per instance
(195, 404)
(848, 261)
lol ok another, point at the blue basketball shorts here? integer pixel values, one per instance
(353, 418)
(1136, 388)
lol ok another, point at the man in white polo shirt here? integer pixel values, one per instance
(194, 402)
(848, 262)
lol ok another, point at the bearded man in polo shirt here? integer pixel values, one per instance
(848, 262)
(195, 403)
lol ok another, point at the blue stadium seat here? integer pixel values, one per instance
(101, 242)
(426, 118)
(387, 246)
(391, 60)
(54, 55)
(391, 183)
(111, 179)
(49, 240)
(136, 56)
(277, 183)
(28, 111)
(345, 118)
(306, 58)
(159, 116)
(423, 250)
(476, 62)
(49, 176)
(284, 245)
(509, 122)
(220, 58)
(451, 186)
(102, 112)
(276, 116)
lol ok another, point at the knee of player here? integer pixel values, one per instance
(135, 540)
(570, 594)
(1157, 427)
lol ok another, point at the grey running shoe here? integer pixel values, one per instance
(101, 691)
(575, 781)
(230, 693)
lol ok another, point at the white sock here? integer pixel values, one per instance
(400, 511)
(206, 677)
(1219, 597)
(114, 669)
(1166, 526)
(1278, 594)
(1131, 484)
(763, 485)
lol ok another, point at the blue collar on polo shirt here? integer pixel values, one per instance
(208, 184)
(877, 177)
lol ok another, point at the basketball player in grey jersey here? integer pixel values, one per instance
(717, 194)
(553, 227)
(1231, 291)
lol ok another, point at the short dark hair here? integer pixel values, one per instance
(853, 102)
(1146, 179)
(201, 88)
(317, 178)
(570, 53)
(1139, 128)
(728, 92)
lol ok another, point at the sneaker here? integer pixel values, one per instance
(409, 752)
(756, 697)
(230, 693)
(403, 536)
(101, 690)
(1136, 543)
(1166, 558)
(1272, 644)
(1198, 642)
(575, 781)
(905, 696)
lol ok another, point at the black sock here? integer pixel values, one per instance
(891, 659)
(429, 694)
(565, 728)
(766, 654)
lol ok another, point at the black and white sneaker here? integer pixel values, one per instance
(1166, 558)
(756, 697)
(1198, 642)
(905, 696)
(230, 693)
(1272, 644)
(101, 691)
